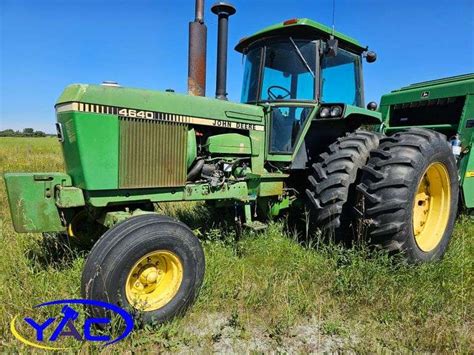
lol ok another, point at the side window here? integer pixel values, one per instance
(339, 77)
(286, 125)
(250, 83)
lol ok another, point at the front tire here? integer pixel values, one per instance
(409, 195)
(150, 264)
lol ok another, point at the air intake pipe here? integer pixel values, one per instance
(223, 11)
(197, 52)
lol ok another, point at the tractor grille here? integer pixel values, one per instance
(152, 153)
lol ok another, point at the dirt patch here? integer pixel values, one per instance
(223, 333)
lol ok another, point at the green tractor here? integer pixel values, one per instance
(295, 139)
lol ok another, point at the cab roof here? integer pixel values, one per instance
(303, 27)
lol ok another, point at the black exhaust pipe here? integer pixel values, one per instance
(223, 11)
(197, 52)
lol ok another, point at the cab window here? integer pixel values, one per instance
(287, 73)
(340, 78)
(251, 75)
(286, 124)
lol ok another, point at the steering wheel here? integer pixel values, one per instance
(273, 96)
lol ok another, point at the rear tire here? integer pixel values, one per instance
(332, 182)
(409, 195)
(150, 264)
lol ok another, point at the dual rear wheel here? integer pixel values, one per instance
(398, 192)
(409, 191)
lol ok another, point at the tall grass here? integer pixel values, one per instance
(265, 292)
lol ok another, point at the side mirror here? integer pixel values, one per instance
(332, 45)
(370, 57)
(372, 106)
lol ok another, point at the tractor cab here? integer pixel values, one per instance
(295, 67)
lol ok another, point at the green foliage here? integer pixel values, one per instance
(266, 292)
(27, 132)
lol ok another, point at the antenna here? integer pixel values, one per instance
(333, 16)
(332, 43)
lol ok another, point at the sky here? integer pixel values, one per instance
(46, 45)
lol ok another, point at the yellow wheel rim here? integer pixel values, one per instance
(154, 280)
(431, 207)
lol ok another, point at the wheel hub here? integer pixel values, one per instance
(154, 280)
(422, 207)
(431, 209)
(149, 275)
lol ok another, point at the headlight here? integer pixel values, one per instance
(336, 111)
(324, 112)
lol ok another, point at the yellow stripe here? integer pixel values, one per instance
(170, 117)
(470, 174)
(74, 106)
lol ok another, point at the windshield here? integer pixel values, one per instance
(288, 72)
(340, 78)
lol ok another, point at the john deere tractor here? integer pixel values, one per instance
(294, 139)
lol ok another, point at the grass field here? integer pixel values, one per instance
(267, 293)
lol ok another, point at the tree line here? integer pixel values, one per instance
(26, 132)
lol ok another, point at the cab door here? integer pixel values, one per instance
(287, 125)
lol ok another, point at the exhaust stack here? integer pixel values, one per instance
(197, 52)
(223, 11)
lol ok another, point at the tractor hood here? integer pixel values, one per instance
(123, 138)
(169, 105)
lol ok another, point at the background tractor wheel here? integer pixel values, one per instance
(83, 231)
(332, 180)
(151, 264)
(409, 192)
